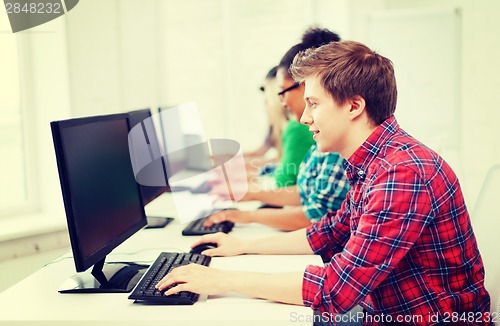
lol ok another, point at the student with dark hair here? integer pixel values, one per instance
(291, 139)
(296, 139)
(292, 92)
(401, 245)
(276, 115)
(321, 181)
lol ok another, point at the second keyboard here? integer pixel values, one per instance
(196, 227)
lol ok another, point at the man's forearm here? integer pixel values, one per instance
(286, 196)
(288, 219)
(281, 287)
(290, 243)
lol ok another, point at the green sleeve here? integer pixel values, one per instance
(297, 140)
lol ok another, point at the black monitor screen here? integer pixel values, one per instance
(101, 197)
(174, 141)
(148, 149)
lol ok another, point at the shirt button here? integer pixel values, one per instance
(361, 174)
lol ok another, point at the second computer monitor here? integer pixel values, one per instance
(148, 149)
(184, 140)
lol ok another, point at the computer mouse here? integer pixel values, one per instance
(202, 247)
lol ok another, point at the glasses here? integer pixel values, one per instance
(294, 86)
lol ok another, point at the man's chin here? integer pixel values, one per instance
(321, 148)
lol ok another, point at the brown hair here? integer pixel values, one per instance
(347, 69)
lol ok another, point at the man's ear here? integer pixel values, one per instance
(357, 106)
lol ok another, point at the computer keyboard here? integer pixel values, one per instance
(202, 188)
(145, 291)
(196, 227)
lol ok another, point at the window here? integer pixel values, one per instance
(13, 187)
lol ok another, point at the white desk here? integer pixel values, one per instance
(35, 300)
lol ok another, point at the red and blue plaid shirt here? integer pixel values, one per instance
(401, 245)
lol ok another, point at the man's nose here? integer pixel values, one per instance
(306, 117)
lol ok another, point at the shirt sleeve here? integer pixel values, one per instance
(329, 188)
(328, 236)
(396, 208)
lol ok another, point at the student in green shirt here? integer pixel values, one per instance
(296, 142)
(321, 183)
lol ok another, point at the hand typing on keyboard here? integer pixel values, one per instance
(202, 279)
(244, 191)
(197, 279)
(231, 215)
(194, 278)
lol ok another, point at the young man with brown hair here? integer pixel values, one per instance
(401, 245)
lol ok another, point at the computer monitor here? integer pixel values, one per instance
(173, 139)
(186, 146)
(148, 161)
(101, 199)
(148, 146)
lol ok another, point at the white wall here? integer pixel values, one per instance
(94, 58)
(480, 116)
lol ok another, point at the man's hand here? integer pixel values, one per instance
(231, 215)
(226, 245)
(194, 278)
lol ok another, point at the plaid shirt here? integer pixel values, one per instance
(402, 243)
(322, 183)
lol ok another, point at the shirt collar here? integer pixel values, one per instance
(357, 165)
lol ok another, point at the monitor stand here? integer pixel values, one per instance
(155, 222)
(110, 278)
